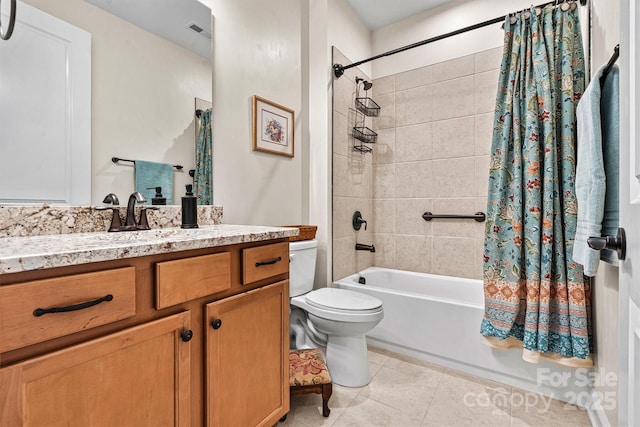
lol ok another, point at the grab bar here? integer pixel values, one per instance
(478, 216)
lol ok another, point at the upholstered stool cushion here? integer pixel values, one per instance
(308, 373)
(307, 367)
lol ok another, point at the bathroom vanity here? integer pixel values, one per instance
(161, 327)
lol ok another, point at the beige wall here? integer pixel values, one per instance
(257, 51)
(143, 90)
(434, 135)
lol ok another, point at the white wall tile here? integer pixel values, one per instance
(408, 216)
(383, 86)
(453, 177)
(384, 216)
(387, 117)
(483, 133)
(413, 253)
(453, 138)
(453, 69)
(384, 149)
(482, 175)
(413, 180)
(414, 106)
(486, 87)
(341, 144)
(453, 98)
(414, 78)
(384, 181)
(454, 257)
(414, 143)
(488, 60)
(385, 250)
(344, 257)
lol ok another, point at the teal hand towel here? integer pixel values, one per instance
(610, 113)
(151, 175)
(590, 176)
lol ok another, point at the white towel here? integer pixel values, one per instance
(590, 176)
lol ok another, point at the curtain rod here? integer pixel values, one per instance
(338, 69)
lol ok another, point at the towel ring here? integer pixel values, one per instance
(6, 35)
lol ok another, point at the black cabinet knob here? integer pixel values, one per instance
(616, 243)
(216, 323)
(186, 335)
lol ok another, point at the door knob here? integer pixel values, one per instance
(616, 243)
(216, 323)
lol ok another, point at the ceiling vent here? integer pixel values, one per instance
(199, 30)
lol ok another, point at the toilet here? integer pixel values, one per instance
(336, 319)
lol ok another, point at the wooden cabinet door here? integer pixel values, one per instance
(136, 377)
(247, 357)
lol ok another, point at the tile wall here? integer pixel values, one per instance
(352, 178)
(434, 136)
(434, 139)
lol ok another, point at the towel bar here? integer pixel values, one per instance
(118, 159)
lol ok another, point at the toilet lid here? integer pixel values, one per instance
(342, 299)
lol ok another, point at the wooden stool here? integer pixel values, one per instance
(308, 373)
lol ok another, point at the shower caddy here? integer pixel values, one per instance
(365, 107)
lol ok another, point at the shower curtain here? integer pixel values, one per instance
(202, 177)
(536, 297)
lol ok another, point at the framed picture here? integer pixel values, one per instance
(272, 127)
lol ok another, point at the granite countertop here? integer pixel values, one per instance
(37, 252)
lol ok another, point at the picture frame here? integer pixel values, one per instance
(273, 126)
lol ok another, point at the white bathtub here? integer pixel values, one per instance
(437, 318)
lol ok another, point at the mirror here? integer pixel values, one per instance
(150, 60)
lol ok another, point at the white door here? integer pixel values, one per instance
(45, 111)
(629, 378)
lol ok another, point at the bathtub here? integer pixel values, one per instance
(437, 319)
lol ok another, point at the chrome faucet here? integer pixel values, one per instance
(130, 223)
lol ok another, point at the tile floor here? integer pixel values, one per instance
(406, 392)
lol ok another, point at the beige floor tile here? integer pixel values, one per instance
(409, 392)
(532, 409)
(306, 409)
(482, 381)
(461, 402)
(366, 412)
(412, 366)
(374, 368)
(378, 356)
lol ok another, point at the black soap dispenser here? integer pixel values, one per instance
(189, 209)
(158, 199)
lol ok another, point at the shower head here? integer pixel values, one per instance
(367, 85)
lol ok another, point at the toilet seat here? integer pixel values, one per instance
(343, 300)
(320, 303)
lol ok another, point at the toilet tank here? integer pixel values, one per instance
(302, 266)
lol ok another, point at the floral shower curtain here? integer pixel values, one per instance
(535, 295)
(204, 160)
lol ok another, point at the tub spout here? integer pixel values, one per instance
(361, 247)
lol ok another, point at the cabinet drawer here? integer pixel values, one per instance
(190, 278)
(21, 324)
(265, 261)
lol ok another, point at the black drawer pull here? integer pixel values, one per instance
(270, 262)
(40, 311)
